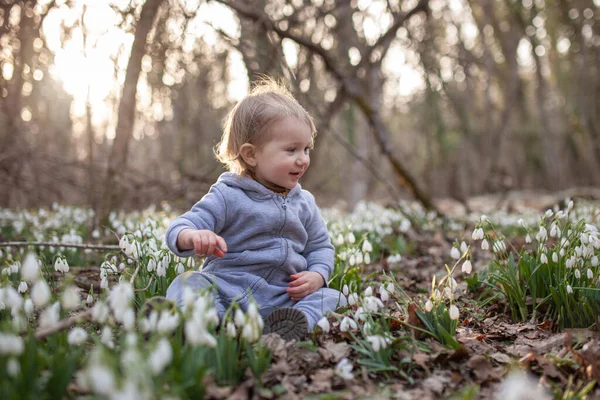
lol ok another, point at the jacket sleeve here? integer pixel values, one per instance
(319, 252)
(209, 213)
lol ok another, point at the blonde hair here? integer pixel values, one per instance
(249, 121)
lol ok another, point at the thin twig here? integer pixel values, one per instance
(146, 288)
(64, 324)
(58, 244)
(137, 269)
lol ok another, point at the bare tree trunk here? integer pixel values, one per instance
(117, 160)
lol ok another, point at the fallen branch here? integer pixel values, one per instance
(58, 244)
(64, 324)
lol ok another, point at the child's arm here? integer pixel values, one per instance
(209, 214)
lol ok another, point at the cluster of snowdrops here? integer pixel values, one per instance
(120, 341)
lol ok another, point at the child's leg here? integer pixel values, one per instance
(320, 303)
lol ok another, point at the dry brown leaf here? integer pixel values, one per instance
(334, 352)
(321, 381)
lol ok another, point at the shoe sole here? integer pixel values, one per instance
(289, 323)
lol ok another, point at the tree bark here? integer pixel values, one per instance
(117, 160)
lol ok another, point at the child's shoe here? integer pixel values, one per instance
(289, 323)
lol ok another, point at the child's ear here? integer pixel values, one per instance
(248, 153)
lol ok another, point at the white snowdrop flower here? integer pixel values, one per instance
(28, 307)
(463, 247)
(390, 288)
(542, 234)
(61, 265)
(22, 287)
(348, 324)
(569, 289)
(570, 205)
(180, 269)
(359, 315)
(554, 257)
(106, 337)
(455, 253)
(71, 298)
(231, 331)
(323, 323)
(590, 274)
(345, 290)
(77, 336)
(161, 356)
(128, 320)
(368, 291)
(151, 265)
(377, 342)
(549, 213)
(40, 293)
(100, 312)
(560, 214)
(367, 259)
(14, 268)
(339, 240)
(353, 299)
(30, 270)
(352, 260)
(343, 256)
(577, 274)
(521, 386)
(89, 299)
(485, 245)
(584, 238)
(383, 294)
(343, 369)
(498, 246)
(521, 222)
(570, 263)
(359, 258)
(454, 314)
(350, 238)
(467, 267)
(578, 251)
(367, 247)
(239, 318)
(594, 261)
(167, 322)
(13, 367)
(50, 316)
(543, 258)
(528, 238)
(101, 379)
(11, 344)
(553, 230)
(428, 306)
(372, 304)
(252, 311)
(11, 298)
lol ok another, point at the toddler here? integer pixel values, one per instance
(261, 232)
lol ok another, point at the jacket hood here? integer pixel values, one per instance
(252, 187)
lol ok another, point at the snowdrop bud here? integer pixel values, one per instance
(594, 261)
(324, 324)
(160, 357)
(485, 245)
(350, 238)
(542, 234)
(590, 274)
(549, 213)
(369, 292)
(90, 299)
(467, 267)
(577, 274)
(345, 290)
(383, 294)
(528, 238)
(339, 240)
(77, 336)
(475, 234)
(13, 367)
(570, 205)
(239, 318)
(28, 307)
(107, 337)
(352, 260)
(569, 289)
(128, 320)
(231, 331)
(353, 299)
(151, 265)
(160, 270)
(390, 288)
(367, 247)
(40, 294)
(30, 271)
(553, 230)
(180, 269)
(367, 258)
(554, 257)
(543, 258)
(463, 247)
(454, 312)
(22, 287)
(428, 306)
(455, 253)
(71, 298)
(359, 258)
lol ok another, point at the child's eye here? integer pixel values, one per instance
(291, 150)
(306, 150)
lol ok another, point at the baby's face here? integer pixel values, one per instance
(284, 158)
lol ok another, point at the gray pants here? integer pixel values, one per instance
(238, 286)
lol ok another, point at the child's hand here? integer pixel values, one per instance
(303, 284)
(203, 242)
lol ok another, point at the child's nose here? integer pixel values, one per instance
(303, 159)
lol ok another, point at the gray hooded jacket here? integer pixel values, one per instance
(267, 234)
